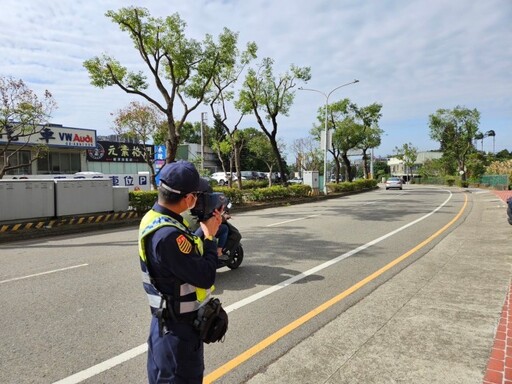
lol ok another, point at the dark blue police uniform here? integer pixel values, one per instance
(176, 357)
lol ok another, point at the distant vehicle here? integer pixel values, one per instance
(222, 178)
(296, 180)
(250, 175)
(394, 182)
(89, 175)
(262, 176)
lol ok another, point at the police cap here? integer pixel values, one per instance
(179, 177)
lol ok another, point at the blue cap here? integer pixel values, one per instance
(179, 177)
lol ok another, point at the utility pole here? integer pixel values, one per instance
(203, 119)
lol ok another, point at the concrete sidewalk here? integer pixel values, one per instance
(434, 322)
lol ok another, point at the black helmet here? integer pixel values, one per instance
(204, 186)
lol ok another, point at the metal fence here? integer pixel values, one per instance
(495, 180)
(500, 182)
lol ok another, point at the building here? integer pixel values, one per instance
(398, 168)
(65, 149)
(69, 151)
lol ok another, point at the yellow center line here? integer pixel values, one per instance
(233, 363)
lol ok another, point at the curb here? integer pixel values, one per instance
(67, 225)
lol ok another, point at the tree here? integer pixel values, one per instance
(262, 148)
(347, 135)
(408, 154)
(369, 116)
(308, 156)
(181, 69)
(140, 122)
(22, 116)
(219, 99)
(455, 129)
(263, 94)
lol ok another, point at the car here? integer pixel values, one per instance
(249, 175)
(222, 178)
(262, 176)
(89, 175)
(296, 180)
(394, 182)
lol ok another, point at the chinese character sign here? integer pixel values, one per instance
(111, 151)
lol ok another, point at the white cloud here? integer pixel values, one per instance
(413, 57)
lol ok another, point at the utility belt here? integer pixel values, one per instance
(166, 313)
(211, 320)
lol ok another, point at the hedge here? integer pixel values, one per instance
(142, 201)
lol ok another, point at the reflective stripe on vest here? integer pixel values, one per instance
(152, 221)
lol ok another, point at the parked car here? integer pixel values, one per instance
(394, 182)
(262, 176)
(296, 180)
(222, 178)
(249, 175)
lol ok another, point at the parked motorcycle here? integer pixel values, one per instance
(233, 248)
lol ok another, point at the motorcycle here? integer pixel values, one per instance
(207, 202)
(233, 248)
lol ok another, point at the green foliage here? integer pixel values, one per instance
(22, 115)
(234, 195)
(455, 130)
(142, 201)
(356, 185)
(268, 97)
(251, 184)
(176, 68)
(450, 181)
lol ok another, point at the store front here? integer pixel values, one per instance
(64, 151)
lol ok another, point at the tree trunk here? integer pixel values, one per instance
(348, 167)
(172, 141)
(238, 149)
(365, 165)
(280, 162)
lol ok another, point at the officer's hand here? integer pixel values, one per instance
(211, 226)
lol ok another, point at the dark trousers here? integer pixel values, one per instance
(175, 358)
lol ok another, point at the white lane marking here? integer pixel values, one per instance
(101, 367)
(327, 264)
(43, 273)
(132, 353)
(289, 221)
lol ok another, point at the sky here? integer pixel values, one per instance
(413, 57)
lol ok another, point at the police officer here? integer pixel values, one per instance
(178, 275)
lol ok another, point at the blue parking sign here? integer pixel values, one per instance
(160, 156)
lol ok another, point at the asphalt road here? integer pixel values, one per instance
(73, 309)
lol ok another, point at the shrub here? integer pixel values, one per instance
(142, 201)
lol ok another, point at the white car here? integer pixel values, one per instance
(394, 182)
(222, 178)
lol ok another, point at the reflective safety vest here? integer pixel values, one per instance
(152, 221)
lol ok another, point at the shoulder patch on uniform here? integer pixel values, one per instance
(184, 244)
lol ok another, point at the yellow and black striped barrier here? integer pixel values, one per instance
(67, 221)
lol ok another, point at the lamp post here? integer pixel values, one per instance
(326, 130)
(203, 118)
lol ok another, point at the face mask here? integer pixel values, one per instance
(193, 205)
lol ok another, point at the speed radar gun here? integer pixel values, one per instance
(209, 201)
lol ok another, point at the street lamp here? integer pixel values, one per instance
(203, 119)
(326, 147)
